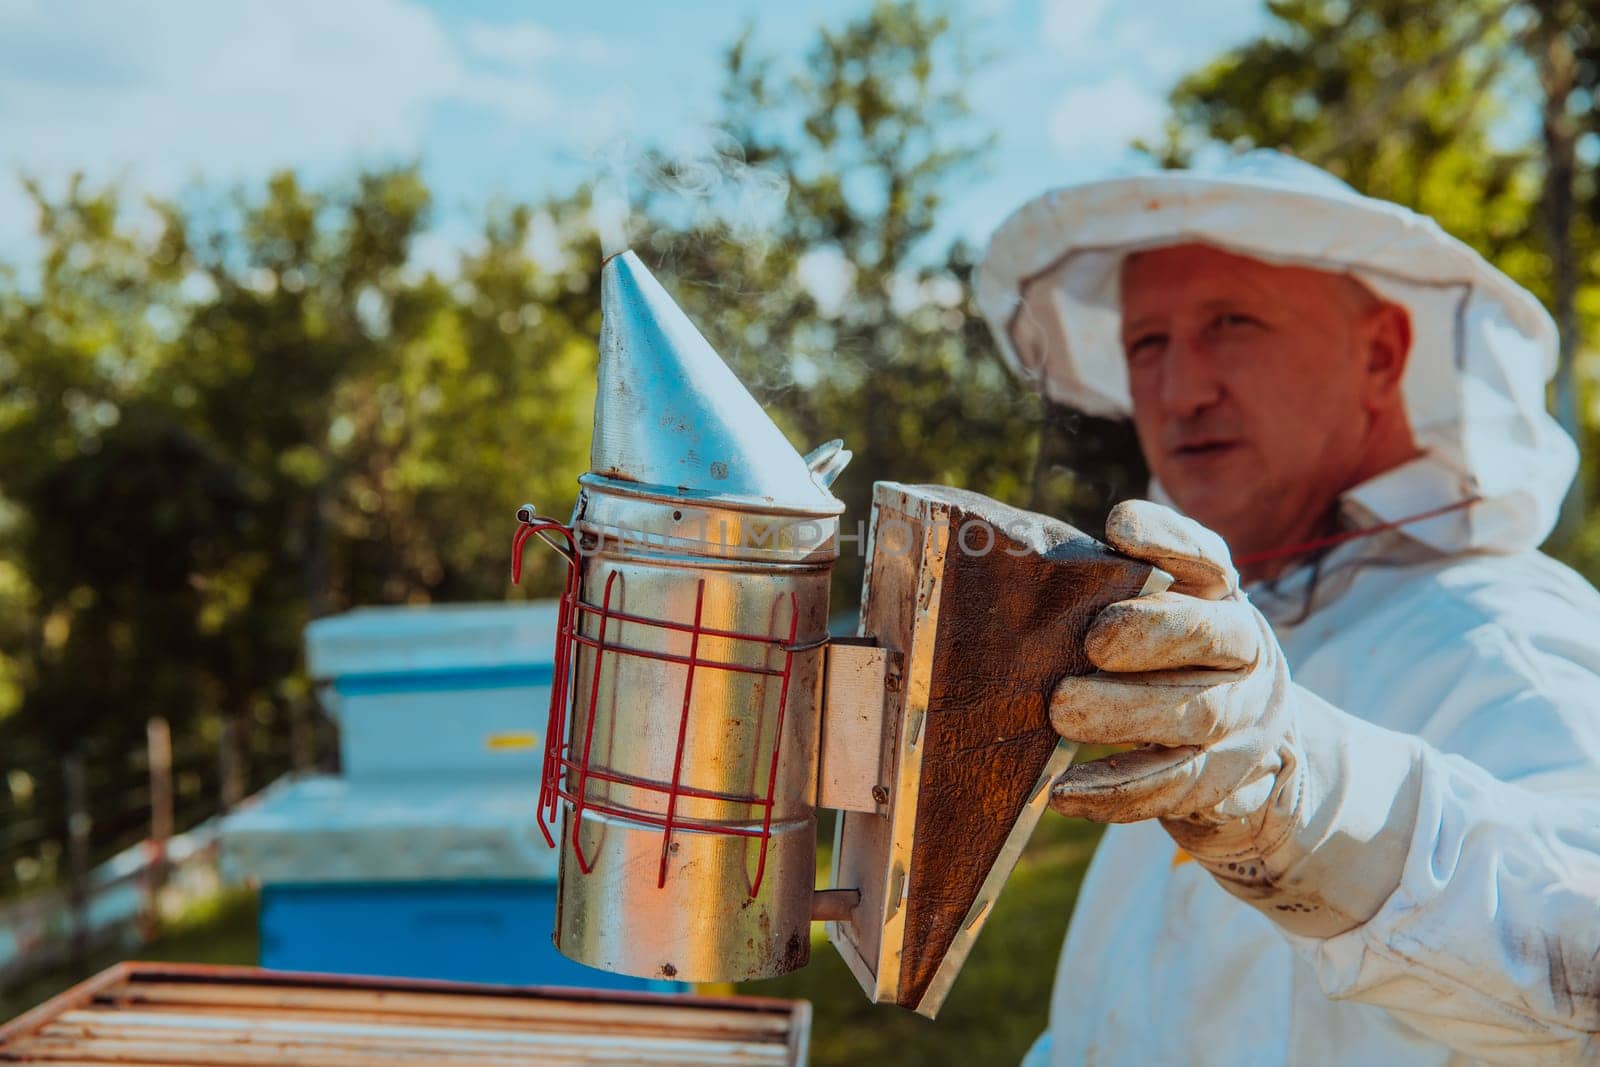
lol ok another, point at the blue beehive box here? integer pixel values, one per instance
(423, 858)
(437, 693)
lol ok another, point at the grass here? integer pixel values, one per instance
(1001, 999)
(998, 1006)
(221, 930)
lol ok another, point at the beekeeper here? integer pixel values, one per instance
(1362, 824)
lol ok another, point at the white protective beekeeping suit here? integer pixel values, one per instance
(1455, 629)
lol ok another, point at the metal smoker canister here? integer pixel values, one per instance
(687, 779)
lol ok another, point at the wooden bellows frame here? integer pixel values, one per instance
(983, 608)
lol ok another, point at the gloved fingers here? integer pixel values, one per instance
(1151, 783)
(1159, 707)
(1197, 558)
(1168, 630)
(1146, 783)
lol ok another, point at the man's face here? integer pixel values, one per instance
(1258, 390)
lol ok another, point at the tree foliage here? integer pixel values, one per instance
(256, 414)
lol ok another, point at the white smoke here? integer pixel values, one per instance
(609, 205)
(608, 213)
(689, 194)
(698, 181)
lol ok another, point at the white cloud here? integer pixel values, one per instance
(1162, 56)
(512, 44)
(157, 92)
(170, 87)
(529, 42)
(1165, 44)
(1105, 116)
(1069, 25)
(519, 99)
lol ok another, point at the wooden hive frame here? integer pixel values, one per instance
(150, 1013)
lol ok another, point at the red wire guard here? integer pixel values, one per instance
(560, 766)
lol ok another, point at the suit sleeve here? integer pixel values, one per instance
(1490, 940)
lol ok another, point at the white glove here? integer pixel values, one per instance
(1294, 806)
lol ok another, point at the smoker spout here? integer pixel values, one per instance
(672, 418)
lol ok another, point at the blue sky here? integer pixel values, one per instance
(504, 99)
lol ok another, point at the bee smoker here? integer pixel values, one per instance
(701, 715)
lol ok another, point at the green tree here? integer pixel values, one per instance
(502, 395)
(110, 505)
(257, 415)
